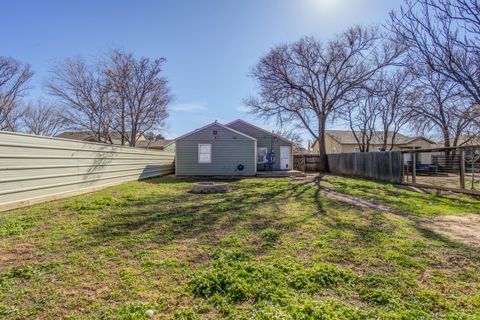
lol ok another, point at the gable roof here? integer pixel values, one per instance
(260, 129)
(161, 143)
(212, 124)
(347, 137)
(77, 135)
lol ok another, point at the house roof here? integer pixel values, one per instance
(88, 136)
(77, 135)
(258, 128)
(467, 140)
(212, 124)
(347, 137)
(161, 143)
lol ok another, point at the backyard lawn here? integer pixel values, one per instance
(269, 249)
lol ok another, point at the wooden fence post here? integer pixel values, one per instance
(462, 169)
(414, 167)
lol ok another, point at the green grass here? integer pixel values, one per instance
(407, 201)
(268, 249)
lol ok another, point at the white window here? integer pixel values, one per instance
(334, 150)
(205, 153)
(262, 155)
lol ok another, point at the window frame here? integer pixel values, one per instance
(200, 145)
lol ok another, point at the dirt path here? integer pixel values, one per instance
(464, 229)
(354, 201)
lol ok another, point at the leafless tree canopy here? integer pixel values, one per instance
(141, 94)
(292, 135)
(84, 96)
(120, 94)
(42, 119)
(14, 78)
(444, 35)
(394, 89)
(308, 82)
(440, 106)
(362, 117)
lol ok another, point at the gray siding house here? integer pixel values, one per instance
(266, 143)
(236, 149)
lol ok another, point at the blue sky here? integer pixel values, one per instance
(210, 45)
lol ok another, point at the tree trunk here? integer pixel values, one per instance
(322, 150)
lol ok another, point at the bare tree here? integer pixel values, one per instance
(292, 135)
(85, 96)
(14, 77)
(444, 35)
(395, 91)
(42, 119)
(306, 82)
(362, 117)
(141, 95)
(439, 104)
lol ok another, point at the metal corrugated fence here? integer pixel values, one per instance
(35, 168)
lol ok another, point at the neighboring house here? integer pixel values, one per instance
(464, 140)
(161, 144)
(77, 135)
(88, 136)
(343, 141)
(236, 149)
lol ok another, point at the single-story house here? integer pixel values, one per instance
(238, 148)
(142, 142)
(160, 144)
(343, 141)
(89, 136)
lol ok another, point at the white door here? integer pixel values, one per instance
(285, 158)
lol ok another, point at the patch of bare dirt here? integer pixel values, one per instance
(464, 229)
(16, 256)
(355, 201)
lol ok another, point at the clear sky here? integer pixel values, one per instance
(210, 45)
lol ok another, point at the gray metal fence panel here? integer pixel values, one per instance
(34, 169)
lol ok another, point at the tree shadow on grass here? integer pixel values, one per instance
(185, 216)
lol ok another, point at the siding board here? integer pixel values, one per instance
(264, 139)
(34, 169)
(229, 149)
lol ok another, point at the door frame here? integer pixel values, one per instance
(289, 148)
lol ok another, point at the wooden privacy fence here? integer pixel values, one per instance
(306, 162)
(383, 166)
(34, 169)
